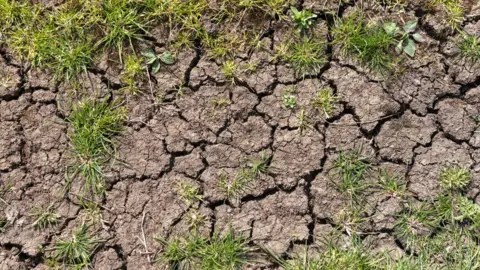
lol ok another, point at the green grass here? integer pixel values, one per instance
(220, 252)
(369, 44)
(453, 11)
(94, 124)
(470, 48)
(189, 193)
(350, 168)
(455, 178)
(306, 56)
(44, 217)
(325, 101)
(391, 183)
(77, 251)
(131, 74)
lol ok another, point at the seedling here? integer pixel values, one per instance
(189, 193)
(229, 69)
(407, 37)
(44, 217)
(131, 73)
(303, 121)
(297, 261)
(195, 219)
(289, 100)
(77, 250)
(325, 101)
(455, 178)
(220, 103)
(234, 188)
(470, 49)
(155, 60)
(415, 225)
(302, 19)
(476, 118)
(260, 165)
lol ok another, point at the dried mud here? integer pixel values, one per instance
(416, 124)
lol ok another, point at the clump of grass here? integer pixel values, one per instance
(71, 58)
(455, 178)
(470, 48)
(189, 193)
(94, 124)
(44, 217)
(415, 225)
(195, 219)
(453, 10)
(371, 45)
(220, 252)
(121, 23)
(306, 56)
(77, 251)
(351, 168)
(131, 74)
(304, 122)
(325, 101)
(242, 181)
(289, 99)
(229, 70)
(390, 182)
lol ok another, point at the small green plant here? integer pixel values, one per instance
(325, 101)
(155, 60)
(71, 58)
(351, 168)
(296, 262)
(229, 69)
(234, 188)
(195, 219)
(76, 251)
(370, 44)
(289, 100)
(470, 49)
(189, 193)
(44, 217)
(455, 178)
(415, 225)
(260, 165)
(304, 122)
(220, 252)
(131, 73)
(453, 12)
(302, 19)
(392, 183)
(94, 124)
(306, 56)
(407, 37)
(220, 103)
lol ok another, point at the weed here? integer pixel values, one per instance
(350, 218)
(76, 251)
(71, 58)
(220, 102)
(155, 60)
(94, 124)
(297, 262)
(131, 73)
(227, 252)
(229, 70)
(234, 188)
(195, 220)
(453, 10)
(44, 217)
(351, 167)
(351, 258)
(325, 101)
(369, 44)
(392, 183)
(415, 225)
(121, 22)
(303, 121)
(302, 19)
(189, 193)
(455, 178)
(91, 213)
(407, 37)
(260, 165)
(289, 100)
(306, 56)
(470, 49)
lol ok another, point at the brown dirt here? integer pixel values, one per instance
(417, 124)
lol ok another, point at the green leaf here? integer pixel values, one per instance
(410, 26)
(149, 53)
(294, 11)
(151, 60)
(409, 47)
(156, 66)
(390, 27)
(167, 58)
(418, 37)
(399, 47)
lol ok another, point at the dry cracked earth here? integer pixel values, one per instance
(415, 124)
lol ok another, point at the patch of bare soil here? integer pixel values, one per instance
(416, 124)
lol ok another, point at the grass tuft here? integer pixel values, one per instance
(94, 124)
(77, 251)
(325, 101)
(470, 48)
(306, 56)
(220, 252)
(44, 217)
(455, 178)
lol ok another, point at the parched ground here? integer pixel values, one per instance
(415, 124)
